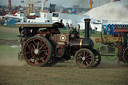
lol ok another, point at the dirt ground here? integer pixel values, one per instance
(66, 73)
(14, 72)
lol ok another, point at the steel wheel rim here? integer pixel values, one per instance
(84, 58)
(36, 51)
(97, 58)
(125, 55)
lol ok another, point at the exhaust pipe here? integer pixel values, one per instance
(87, 27)
(85, 42)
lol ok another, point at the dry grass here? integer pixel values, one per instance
(66, 73)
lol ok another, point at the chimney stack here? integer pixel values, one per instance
(87, 27)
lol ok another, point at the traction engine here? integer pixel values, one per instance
(42, 44)
(120, 42)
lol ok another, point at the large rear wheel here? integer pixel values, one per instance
(37, 51)
(84, 58)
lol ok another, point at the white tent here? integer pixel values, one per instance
(113, 11)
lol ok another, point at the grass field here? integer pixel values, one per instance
(8, 33)
(64, 74)
(14, 72)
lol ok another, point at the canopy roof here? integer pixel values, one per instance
(29, 24)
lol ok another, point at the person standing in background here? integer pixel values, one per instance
(78, 27)
(71, 27)
(108, 30)
(67, 26)
(96, 30)
(90, 30)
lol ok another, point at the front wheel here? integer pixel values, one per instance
(84, 58)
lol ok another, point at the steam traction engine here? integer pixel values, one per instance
(121, 42)
(42, 44)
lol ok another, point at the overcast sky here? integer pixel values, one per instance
(64, 3)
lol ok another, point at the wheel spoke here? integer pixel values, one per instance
(82, 62)
(38, 44)
(79, 57)
(84, 53)
(34, 42)
(31, 58)
(43, 51)
(33, 46)
(87, 56)
(42, 58)
(42, 46)
(87, 63)
(96, 57)
(45, 47)
(96, 60)
(89, 59)
(27, 52)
